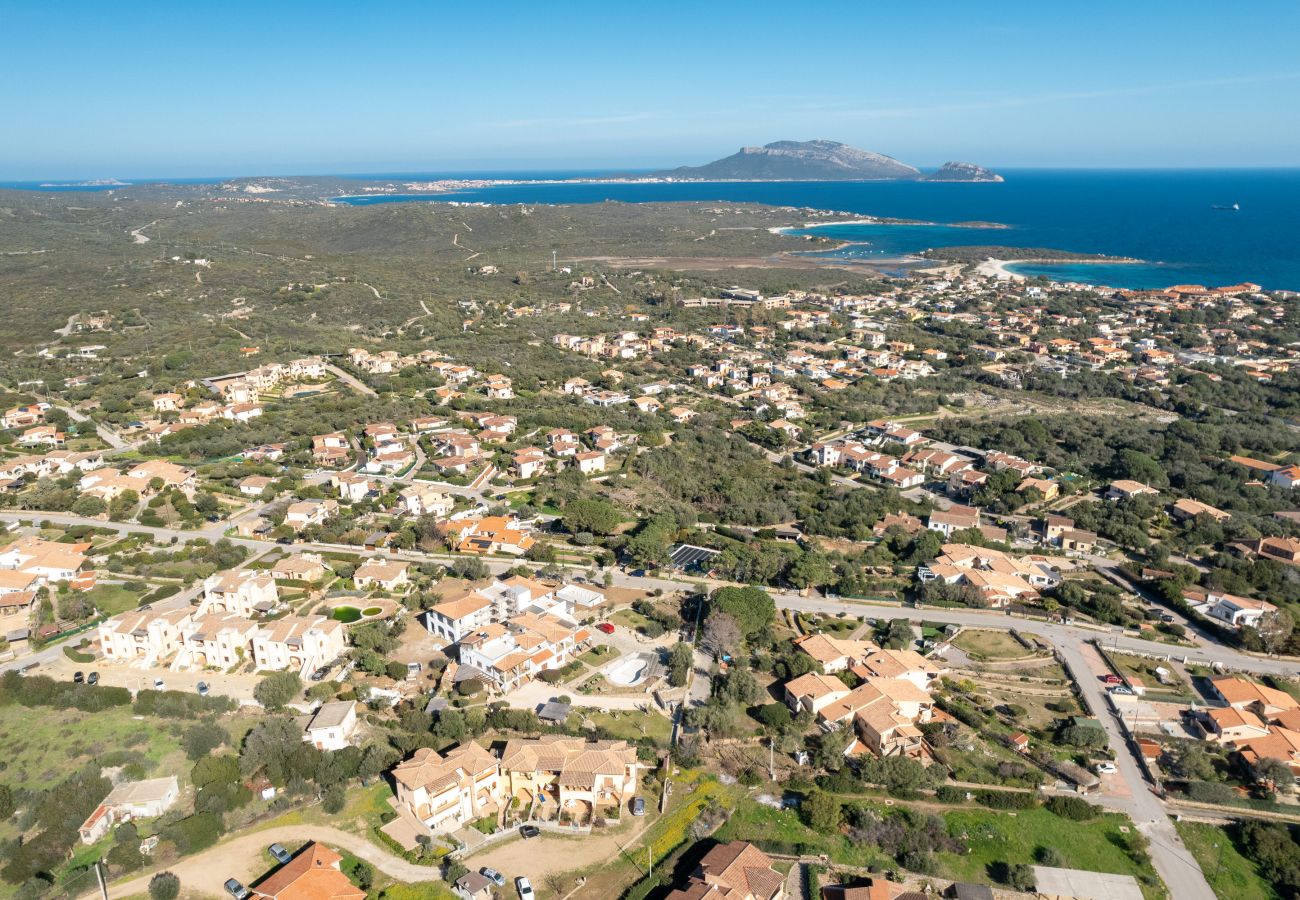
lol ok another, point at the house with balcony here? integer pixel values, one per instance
(446, 791)
(299, 644)
(555, 774)
(244, 592)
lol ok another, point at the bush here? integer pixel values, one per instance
(164, 886)
(950, 793)
(1006, 799)
(1210, 792)
(334, 799)
(1075, 809)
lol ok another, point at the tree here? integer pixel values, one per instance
(821, 812)
(277, 689)
(1021, 877)
(202, 738)
(775, 716)
(595, 516)
(1274, 628)
(812, 570)
(751, 607)
(89, 505)
(722, 635)
(680, 660)
(164, 886)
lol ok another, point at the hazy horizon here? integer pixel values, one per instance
(154, 91)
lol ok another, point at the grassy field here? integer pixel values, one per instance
(1230, 874)
(46, 745)
(1015, 838)
(990, 644)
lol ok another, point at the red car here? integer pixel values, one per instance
(1111, 679)
(606, 627)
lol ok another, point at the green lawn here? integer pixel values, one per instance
(1230, 874)
(990, 644)
(629, 619)
(631, 725)
(113, 598)
(598, 654)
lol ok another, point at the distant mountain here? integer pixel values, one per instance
(799, 161)
(961, 171)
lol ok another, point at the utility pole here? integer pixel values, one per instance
(99, 877)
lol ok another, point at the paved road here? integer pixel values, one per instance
(1057, 633)
(106, 434)
(241, 857)
(351, 381)
(1175, 864)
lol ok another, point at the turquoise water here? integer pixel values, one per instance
(1165, 218)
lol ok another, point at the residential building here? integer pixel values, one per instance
(387, 575)
(332, 726)
(299, 644)
(314, 873)
(446, 791)
(736, 870)
(130, 800)
(244, 592)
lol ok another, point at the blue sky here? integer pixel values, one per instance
(148, 89)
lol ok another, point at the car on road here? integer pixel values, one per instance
(525, 888)
(638, 806)
(237, 890)
(1111, 679)
(78, 677)
(605, 627)
(281, 855)
(203, 688)
(493, 876)
(1106, 768)
(159, 684)
(92, 678)
(1166, 618)
(529, 831)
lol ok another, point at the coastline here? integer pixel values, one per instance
(1000, 268)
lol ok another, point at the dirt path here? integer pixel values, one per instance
(241, 857)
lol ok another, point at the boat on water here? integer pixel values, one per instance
(1233, 208)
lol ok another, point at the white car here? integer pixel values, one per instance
(525, 889)
(1106, 768)
(159, 684)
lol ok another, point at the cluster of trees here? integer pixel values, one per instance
(1275, 848)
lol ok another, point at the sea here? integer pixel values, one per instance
(1168, 219)
(1171, 220)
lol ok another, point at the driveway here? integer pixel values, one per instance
(241, 857)
(550, 853)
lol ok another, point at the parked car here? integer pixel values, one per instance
(1121, 690)
(529, 831)
(1111, 679)
(320, 673)
(638, 806)
(524, 888)
(281, 855)
(1106, 768)
(92, 678)
(203, 688)
(78, 677)
(493, 876)
(237, 890)
(159, 684)
(605, 627)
